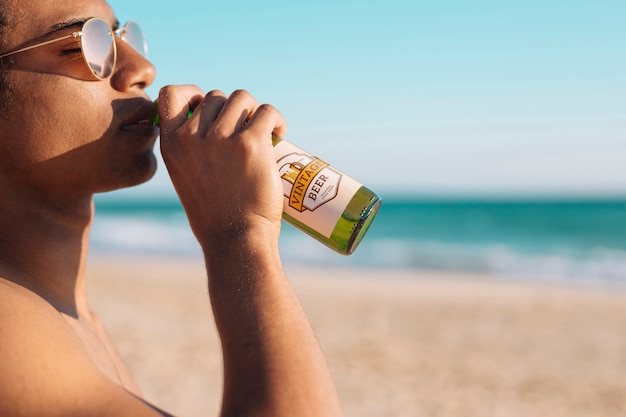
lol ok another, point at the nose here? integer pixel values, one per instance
(132, 70)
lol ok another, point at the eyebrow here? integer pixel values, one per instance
(68, 24)
(73, 24)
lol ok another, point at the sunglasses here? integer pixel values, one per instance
(98, 45)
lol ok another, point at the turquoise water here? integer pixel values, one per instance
(576, 240)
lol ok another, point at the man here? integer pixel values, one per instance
(74, 123)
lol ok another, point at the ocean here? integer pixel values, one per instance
(577, 241)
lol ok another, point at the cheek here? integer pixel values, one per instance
(55, 122)
(42, 140)
(53, 131)
(82, 117)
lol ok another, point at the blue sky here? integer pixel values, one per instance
(443, 97)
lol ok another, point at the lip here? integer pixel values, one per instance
(143, 127)
(140, 121)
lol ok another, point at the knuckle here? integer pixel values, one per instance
(219, 131)
(167, 89)
(267, 108)
(242, 98)
(240, 94)
(166, 92)
(215, 93)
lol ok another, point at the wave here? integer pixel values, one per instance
(145, 234)
(172, 236)
(574, 242)
(595, 265)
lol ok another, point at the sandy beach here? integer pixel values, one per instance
(401, 343)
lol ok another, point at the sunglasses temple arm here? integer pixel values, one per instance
(28, 48)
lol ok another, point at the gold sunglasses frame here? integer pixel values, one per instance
(79, 34)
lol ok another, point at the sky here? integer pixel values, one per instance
(447, 97)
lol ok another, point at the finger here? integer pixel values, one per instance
(237, 109)
(265, 121)
(207, 111)
(175, 103)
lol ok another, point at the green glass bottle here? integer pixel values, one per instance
(320, 200)
(323, 202)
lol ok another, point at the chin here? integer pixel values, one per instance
(140, 172)
(144, 171)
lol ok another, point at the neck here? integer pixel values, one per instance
(43, 246)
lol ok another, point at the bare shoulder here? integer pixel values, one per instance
(21, 309)
(26, 319)
(44, 369)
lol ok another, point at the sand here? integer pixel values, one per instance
(401, 343)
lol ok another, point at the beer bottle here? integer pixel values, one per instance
(320, 200)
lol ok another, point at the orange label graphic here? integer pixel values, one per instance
(308, 182)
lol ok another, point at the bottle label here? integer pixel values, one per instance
(315, 193)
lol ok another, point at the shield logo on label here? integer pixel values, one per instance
(308, 182)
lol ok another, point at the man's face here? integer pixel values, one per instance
(67, 132)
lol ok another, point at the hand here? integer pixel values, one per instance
(221, 161)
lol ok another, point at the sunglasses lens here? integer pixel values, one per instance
(98, 49)
(133, 36)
